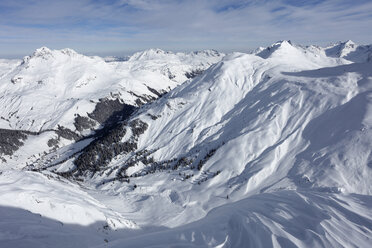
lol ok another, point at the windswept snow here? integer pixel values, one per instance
(51, 87)
(267, 149)
(271, 120)
(55, 198)
(294, 120)
(280, 219)
(350, 51)
(7, 65)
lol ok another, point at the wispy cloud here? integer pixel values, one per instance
(108, 26)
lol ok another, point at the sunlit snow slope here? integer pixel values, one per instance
(56, 97)
(268, 149)
(293, 120)
(51, 86)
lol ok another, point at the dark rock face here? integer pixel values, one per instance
(11, 140)
(193, 73)
(159, 94)
(110, 111)
(143, 99)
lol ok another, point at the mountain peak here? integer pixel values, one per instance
(151, 53)
(154, 51)
(341, 49)
(68, 51)
(45, 52)
(349, 42)
(279, 45)
(208, 52)
(42, 51)
(282, 43)
(342, 44)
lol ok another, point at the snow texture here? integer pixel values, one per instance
(266, 149)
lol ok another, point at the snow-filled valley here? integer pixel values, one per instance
(271, 148)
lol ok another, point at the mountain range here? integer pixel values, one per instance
(270, 148)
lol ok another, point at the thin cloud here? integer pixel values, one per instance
(127, 25)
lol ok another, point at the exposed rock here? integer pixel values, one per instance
(159, 94)
(193, 73)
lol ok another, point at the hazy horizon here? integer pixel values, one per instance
(122, 27)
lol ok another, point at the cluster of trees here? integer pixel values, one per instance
(141, 156)
(166, 165)
(208, 175)
(183, 162)
(98, 154)
(138, 127)
(185, 176)
(67, 133)
(109, 111)
(10, 141)
(82, 122)
(205, 159)
(154, 166)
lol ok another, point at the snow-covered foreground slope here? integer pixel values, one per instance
(47, 211)
(269, 149)
(279, 219)
(55, 198)
(41, 211)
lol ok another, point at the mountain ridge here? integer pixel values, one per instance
(270, 148)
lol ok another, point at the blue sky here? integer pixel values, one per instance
(119, 27)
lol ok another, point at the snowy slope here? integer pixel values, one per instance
(345, 52)
(279, 219)
(48, 211)
(7, 65)
(350, 51)
(55, 198)
(283, 109)
(293, 120)
(269, 149)
(52, 86)
(72, 94)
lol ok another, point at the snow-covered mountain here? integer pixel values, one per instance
(350, 51)
(341, 50)
(50, 87)
(63, 95)
(267, 149)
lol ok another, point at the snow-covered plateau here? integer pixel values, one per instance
(271, 148)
